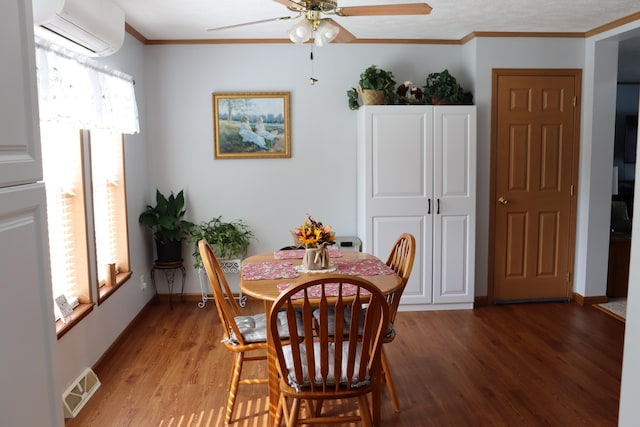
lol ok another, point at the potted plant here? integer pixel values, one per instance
(227, 239)
(442, 88)
(169, 229)
(376, 87)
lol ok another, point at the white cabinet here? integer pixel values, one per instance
(417, 174)
(29, 368)
(20, 142)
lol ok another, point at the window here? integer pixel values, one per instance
(84, 173)
(109, 209)
(77, 233)
(62, 169)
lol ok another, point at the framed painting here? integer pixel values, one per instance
(251, 125)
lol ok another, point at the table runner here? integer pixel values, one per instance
(283, 270)
(331, 290)
(299, 253)
(268, 271)
(362, 267)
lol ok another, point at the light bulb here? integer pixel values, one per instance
(300, 32)
(327, 32)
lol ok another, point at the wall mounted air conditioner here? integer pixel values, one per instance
(91, 27)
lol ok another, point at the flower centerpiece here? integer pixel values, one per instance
(315, 237)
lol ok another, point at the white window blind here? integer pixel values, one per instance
(106, 166)
(60, 146)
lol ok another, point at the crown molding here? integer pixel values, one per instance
(475, 34)
(615, 24)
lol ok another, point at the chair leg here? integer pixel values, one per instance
(365, 412)
(282, 413)
(233, 385)
(294, 413)
(389, 380)
(315, 407)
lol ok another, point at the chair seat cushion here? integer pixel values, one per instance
(389, 334)
(254, 328)
(331, 380)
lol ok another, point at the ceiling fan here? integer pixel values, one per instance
(325, 30)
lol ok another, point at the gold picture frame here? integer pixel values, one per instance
(249, 125)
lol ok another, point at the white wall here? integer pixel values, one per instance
(630, 387)
(507, 53)
(271, 195)
(86, 342)
(594, 188)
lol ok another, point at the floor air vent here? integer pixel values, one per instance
(79, 393)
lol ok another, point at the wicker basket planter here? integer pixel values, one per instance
(371, 97)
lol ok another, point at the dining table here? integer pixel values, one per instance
(264, 276)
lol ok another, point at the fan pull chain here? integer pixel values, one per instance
(312, 79)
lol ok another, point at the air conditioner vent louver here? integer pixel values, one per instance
(79, 393)
(75, 34)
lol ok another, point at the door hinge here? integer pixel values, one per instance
(568, 276)
(575, 101)
(571, 190)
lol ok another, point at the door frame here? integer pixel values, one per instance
(495, 74)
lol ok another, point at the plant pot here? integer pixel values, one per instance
(371, 97)
(438, 101)
(169, 251)
(316, 258)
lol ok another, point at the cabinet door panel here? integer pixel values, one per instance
(455, 196)
(398, 156)
(395, 188)
(452, 155)
(29, 350)
(452, 260)
(19, 144)
(385, 232)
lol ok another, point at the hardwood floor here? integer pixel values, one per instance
(549, 364)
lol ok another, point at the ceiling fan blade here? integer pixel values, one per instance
(281, 18)
(343, 36)
(385, 9)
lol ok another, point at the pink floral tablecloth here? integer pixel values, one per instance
(331, 290)
(299, 253)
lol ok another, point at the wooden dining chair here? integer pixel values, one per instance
(241, 334)
(400, 260)
(324, 363)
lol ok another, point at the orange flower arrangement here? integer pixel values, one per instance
(312, 233)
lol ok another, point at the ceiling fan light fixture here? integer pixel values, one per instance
(325, 33)
(301, 32)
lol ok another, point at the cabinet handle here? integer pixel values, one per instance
(438, 207)
(429, 207)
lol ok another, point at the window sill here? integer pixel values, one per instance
(105, 291)
(79, 313)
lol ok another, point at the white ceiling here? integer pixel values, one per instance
(449, 19)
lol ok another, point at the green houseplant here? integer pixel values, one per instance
(169, 228)
(227, 239)
(442, 88)
(373, 79)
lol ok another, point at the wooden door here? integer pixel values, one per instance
(534, 171)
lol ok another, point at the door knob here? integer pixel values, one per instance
(503, 200)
